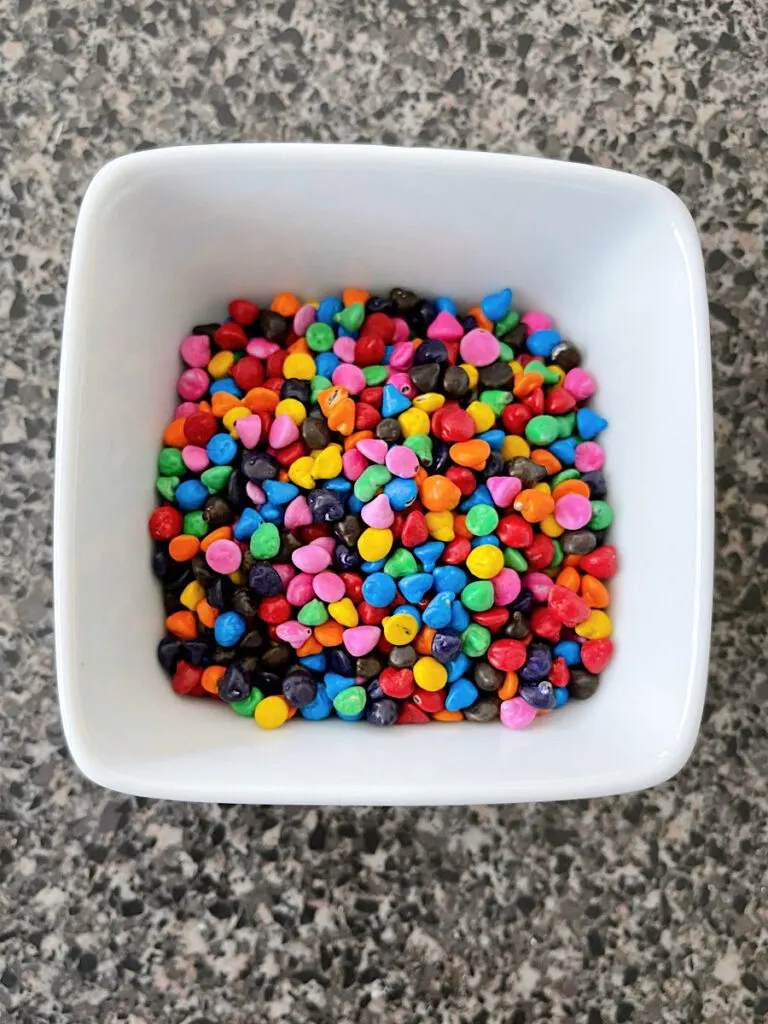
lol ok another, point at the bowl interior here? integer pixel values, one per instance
(166, 238)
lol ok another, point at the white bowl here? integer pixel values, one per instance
(166, 237)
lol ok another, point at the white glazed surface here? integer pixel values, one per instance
(166, 237)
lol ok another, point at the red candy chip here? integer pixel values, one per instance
(454, 425)
(397, 525)
(248, 373)
(595, 654)
(493, 619)
(456, 551)
(559, 674)
(200, 428)
(600, 563)
(428, 700)
(559, 401)
(288, 455)
(275, 363)
(380, 325)
(411, 715)
(274, 610)
(515, 532)
(515, 418)
(186, 677)
(415, 530)
(310, 533)
(243, 312)
(535, 401)
(366, 416)
(452, 347)
(540, 552)
(567, 607)
(372, 396)
(397, 683)
(230, 336)
(464, 479)
(165, 522)
(507, 655)
(544, 624)
(371, 616)
(274, 384)
(353, 586)
(369, 350)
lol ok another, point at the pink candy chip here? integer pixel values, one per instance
(328, 586)
(539, 585)
(403, 383)
(515, 713)
(573, 511)
(249, 430)
(373, 449)
(224, 556)
(255, 493)
(326, 543)
(196, 350)
(293, 633)
(506, 586)
(378, 513)
(445, 327)
(479, 347)
(261, 348)
(303, 319)
(360, 640)
(402, 462)
(504, 489)
(195, 458)
(283, 431)
(344, 348)
(350, 377)
(285, 572)
(536, 322)
(193, 384)
(184, 409)
(579, 383)
(311, 558)
(297, 514)
(300, 590)
(588, 456)
(402, 331)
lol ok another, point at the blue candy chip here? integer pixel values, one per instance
(458, 667)
(318, 708)
(461, 694)
(228, 385)
(326, 363)
(280, 493)
(495, 306)
(459, 616)
(428, 553)
(228, 629)
(249, 521)
(328, 309)
(589, 424)
(450, 577)
(271, 513)
(401, 494)
(380, 590)
(437, 614)
(569, 651)
(561, 696)
(541, 343)
(334, 683)
(314, 662)
(221, 448)
(445, 305)
(190, 495)
(413, 588)
(393, 401)
(564, 450)
(495, 438)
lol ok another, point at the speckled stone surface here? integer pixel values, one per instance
(645, 908)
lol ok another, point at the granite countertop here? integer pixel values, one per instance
(646, 908)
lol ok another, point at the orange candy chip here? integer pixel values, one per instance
(570, 578)
(260, 400)
(183, 625)
(570, 487)
(508, 687)
(534, 506)
(546, 459)
(221, 533)
(212, 677)
(174, 436)
(438, 493)
(285, 303)
(470, 453)
(352, 295)
(206, 613)
(183, 547)
(594, 592)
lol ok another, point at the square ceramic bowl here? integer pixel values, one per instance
(165, 238)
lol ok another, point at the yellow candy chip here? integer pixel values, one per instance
(374, 544)
(300, 472)
(550, 527)
(328, 463)
(231, 416)
(430, 402)
(344, 612)
(272, 712)
(483, 415)
(485, 561)
(413, 421)
(512, 446)
(291, 407)
(221, 364)
(237, 577)
(192, 595)
(596, 627)
(543, 487)
(554, 368)
(440, 525)
(400, 629)
(300, 366)
(430, 674)
(472, 373)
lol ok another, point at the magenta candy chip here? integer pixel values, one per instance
(536, 322)
(193, 384)
(224, 556)
(354, 464)
(573, 511)
(261, 348)
(300, 590)
(297, 513)
(402, 330)
(196, 350)
(479, 347)
(184, 409)
(445, 327)
(589, 456)
(539, 585)
(516, 713)
(350, 377)
(579, 383)
(504, 489)
(506, 586)
(402, 356)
